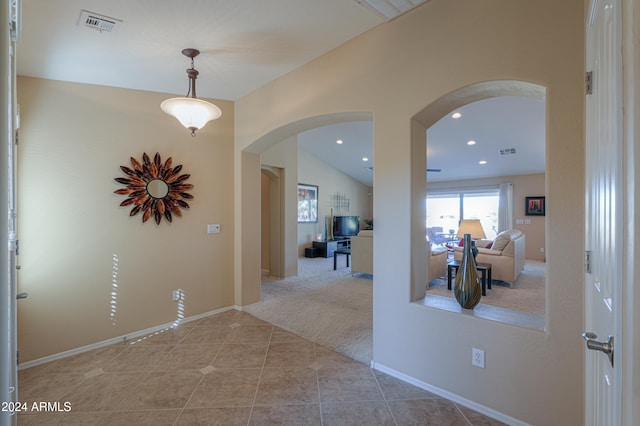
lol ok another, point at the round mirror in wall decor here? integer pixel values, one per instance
(154, 188)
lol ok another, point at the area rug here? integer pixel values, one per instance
(527, 295)
(331, 308)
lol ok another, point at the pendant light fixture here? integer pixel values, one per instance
(191, 112)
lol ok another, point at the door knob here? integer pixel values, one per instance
(594, 345)
(22, 296)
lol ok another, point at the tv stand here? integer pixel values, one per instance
(326, 248)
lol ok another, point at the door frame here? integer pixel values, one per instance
(630, 342)
(8, 247)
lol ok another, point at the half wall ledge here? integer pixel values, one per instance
(488, 312)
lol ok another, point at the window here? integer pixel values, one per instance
(445, 209)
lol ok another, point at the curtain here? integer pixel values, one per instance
(505, 207)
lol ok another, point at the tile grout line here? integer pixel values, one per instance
(463, 416)
(201, 378)
(264, 362)
(384, 397)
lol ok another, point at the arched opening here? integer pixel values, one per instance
(422, 186)
(250, 262)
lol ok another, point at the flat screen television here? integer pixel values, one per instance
(346, 226)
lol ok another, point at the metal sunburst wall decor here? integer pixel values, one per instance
(154, 188)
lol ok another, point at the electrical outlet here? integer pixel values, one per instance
(477, 357)
(176, 295)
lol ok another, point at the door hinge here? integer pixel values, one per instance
(587, 261)
(588, 82)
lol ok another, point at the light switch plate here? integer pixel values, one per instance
(213, 228)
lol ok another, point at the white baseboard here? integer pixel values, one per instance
(244, 308)
(131, 336)
(489, 412)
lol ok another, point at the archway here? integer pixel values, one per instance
(248, 261)
(420, 123)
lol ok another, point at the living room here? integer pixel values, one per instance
(314, 153)
(336, 193)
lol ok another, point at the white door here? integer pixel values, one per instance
(8, 120)
(604, 192)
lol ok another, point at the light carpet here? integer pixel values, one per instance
(334, 308)
(527, 295)
(331, 308)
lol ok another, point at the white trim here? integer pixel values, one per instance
(119, 339)
(244, 308)
(631, 130)
(450, 396)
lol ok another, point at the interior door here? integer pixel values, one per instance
(604, 238)
(10, 15)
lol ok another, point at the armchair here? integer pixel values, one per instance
(505, 254)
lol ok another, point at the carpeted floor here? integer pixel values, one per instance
(334, 308)
(331, 308)
(526, 296)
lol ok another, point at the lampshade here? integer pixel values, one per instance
(190, 111)
(471, 226)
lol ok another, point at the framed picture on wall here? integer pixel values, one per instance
(534, 206)
(307, 203)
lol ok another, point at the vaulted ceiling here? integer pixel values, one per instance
(244, 45)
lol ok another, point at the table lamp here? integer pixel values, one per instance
(474, 228)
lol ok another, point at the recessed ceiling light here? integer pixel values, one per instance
(339, 141)
(365, 159)
(483, 162)
(456, 115)
(472, 142)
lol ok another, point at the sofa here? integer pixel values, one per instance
(362, 252)
(362, 256)
(505, 254)
(437, 262)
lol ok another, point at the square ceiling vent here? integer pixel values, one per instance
(98, 22)
(390, 9)
(507, 151)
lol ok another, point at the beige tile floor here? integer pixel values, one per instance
(228, 369)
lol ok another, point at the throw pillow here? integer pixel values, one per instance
(501, 241)
(488, 246)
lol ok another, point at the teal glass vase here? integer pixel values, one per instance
(467, 288)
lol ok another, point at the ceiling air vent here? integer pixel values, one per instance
(98, 22)
(507, 151)
(390, 9)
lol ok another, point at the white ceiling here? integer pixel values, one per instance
(244, 45)
(495, 124)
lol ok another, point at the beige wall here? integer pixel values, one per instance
(395, 72)
(284, 157)
(265, 240)
(523, 186)
(330, 181)
(73, 140)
